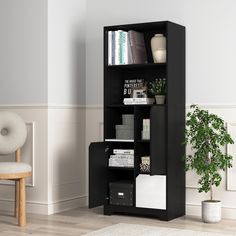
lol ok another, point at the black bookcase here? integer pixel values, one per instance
(167, 125)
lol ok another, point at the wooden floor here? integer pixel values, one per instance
(83, 220)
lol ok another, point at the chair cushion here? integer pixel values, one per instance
(14, 167)
(13, 132)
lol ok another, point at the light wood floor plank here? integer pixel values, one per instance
(80, 221)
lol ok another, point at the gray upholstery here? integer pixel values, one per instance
(14, 167)
(13, 132)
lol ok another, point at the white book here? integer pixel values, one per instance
(121, 47)
(117, 47)
(132, 101)
(123, 151)
(122, 156)
(125, 47)
(109, 47)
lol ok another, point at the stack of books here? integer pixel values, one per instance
(133, 101)
(122, 158)
(126, 48)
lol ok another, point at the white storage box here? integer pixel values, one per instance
(151, 191)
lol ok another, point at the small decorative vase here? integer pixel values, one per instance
(211, 211)
(158, 45)
(160, 99)
(160, 55)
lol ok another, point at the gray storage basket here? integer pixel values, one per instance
(128, 119)
(124, 132)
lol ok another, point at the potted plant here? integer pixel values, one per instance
(206, 133)
(158, 89)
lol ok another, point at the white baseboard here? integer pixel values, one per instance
(195, 210)
(44, 208)
(66, 205)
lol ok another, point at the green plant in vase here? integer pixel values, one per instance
(207, 134)
(157, 88)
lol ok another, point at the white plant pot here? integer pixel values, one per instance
(211, 211)
(160, 99)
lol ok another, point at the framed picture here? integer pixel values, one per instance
(139, 93)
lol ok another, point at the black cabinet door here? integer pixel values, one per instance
(158, 147)
(98, 160)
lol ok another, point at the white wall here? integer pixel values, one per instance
(23, 51)
(66, 51)
(42, 72)
(210, 43)
(66, 85)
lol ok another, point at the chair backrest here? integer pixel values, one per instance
(13, 132)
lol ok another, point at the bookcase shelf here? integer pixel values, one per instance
(167, 126)
(134, 105)
(120, 168)
(119, 140)
(135, 66)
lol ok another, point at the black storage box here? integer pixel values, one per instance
(121, 193)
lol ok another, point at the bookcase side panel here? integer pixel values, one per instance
(175, 120)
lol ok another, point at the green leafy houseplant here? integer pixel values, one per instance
(157, 87)
(206, 133)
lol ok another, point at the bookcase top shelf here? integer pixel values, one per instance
(142, 26)
(135, 66)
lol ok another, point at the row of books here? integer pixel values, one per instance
(122, 158)
(126, 47)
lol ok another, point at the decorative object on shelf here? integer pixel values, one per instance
(131, 84)
(128, 119)
(158, 89)
(206, 133)
(146, 129)
(126, 129)
(145, 164)
(144, 168)
(159, 55)
(135, 92)
(121, 193)
(139, 93)
(158, 45)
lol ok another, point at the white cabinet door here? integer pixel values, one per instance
(151, 191)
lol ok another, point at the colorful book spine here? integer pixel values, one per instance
(113, 48)
(109, 47)
(125, 48)
(121, 47)
(117, 47)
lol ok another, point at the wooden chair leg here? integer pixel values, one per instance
(22, 213)
(17, 193)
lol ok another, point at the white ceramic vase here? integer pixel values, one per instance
(211, 211)
(158, 45)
